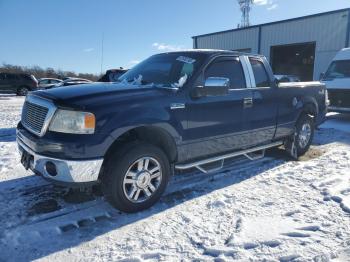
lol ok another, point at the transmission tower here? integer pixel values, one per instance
(245, 6)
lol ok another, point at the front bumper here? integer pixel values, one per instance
(68, 172)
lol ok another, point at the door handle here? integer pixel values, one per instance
(248, 102)
(174, 106)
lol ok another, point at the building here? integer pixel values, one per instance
(302, 46)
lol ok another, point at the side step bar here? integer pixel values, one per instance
(247, 153)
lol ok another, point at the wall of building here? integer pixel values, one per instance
(329, 30)
(241, 39)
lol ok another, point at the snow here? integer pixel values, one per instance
(271, 209)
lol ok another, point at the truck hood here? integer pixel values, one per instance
(98, 93)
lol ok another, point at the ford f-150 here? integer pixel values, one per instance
(173, 111)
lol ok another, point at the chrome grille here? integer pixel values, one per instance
(34, 116)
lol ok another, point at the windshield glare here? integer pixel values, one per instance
(339, 69)
(164, 70)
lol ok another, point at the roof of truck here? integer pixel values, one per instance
(212, 51)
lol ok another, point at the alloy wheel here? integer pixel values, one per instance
(142, 179)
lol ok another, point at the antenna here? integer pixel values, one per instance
(245, 6)
(102, 47)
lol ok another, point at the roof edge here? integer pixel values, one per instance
(276, 22)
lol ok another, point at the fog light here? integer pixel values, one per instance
(51, 168)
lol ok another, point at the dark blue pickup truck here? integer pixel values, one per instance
(173, 111)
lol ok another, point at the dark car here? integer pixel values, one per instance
(20, 84)
(73, 81)
(112, 75)
(173, 111)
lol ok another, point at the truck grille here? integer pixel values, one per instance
(34, 116)
(339, 97)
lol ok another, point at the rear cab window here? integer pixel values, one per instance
(260, 74)
(227, 67)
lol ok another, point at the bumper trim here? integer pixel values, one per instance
(339, 109)
(68, 171)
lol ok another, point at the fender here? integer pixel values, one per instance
(307, 104)
(143, 117)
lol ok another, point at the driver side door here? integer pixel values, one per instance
(215, 123)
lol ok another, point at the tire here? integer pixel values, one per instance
(305, 129)
(131, 181)
(22, 91)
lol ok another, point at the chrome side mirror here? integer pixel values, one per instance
(213, 86)
(217, 82)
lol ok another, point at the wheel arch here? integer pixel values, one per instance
(309, 106)
(151, 134)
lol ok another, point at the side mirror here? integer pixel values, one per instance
(214, 86)
(322, 76)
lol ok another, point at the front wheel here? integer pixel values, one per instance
(305, 130)
(135, 177)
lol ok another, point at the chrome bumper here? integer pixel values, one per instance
(68, 171)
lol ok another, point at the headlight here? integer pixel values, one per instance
(73, 122)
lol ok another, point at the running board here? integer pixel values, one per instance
(247, 153)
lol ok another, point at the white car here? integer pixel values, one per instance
(337, 80)
(47, 83)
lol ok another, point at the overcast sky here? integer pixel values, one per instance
(67, 34)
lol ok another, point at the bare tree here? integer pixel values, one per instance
(39, 72)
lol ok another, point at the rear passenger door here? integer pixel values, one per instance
(262, 115)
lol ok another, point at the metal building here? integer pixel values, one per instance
(302, 46)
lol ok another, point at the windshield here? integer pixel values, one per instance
(338, 69)
(164, 70)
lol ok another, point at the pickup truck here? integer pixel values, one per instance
(173, 111)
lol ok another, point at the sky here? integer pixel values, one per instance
(67, 34)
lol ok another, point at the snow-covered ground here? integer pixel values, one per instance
(272, 209)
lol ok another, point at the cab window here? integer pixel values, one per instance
(260, 74)
(230, 68)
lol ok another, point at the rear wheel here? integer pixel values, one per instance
(135, 177)
(305, 130)
(22, 91)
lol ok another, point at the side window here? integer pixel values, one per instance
(260, 74)
(228, 68)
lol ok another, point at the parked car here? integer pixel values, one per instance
(112, 75)
(174, 111)
(47, 83)
(287, 78)
(73, 81)
(20, 84)
(337, 80)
